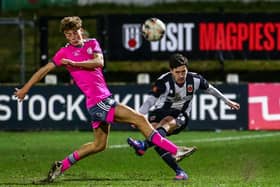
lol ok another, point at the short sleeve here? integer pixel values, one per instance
(96, 46)
(203, 83)
(158, 88)
(58, 57)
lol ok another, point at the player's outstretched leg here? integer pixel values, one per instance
(99, 144)
(140, 146)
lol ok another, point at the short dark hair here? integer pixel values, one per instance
(70, 23)
(177, 60)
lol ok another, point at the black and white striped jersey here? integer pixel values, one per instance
(167, 94)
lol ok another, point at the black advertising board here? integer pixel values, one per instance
(63, 108)
(198, 36)
(210, 113)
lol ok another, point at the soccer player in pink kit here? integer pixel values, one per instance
(84, 61)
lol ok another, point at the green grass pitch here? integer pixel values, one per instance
(227, 158)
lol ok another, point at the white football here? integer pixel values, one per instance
(153, 29)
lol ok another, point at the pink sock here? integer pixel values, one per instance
(65, 164)
(163, 143)
(70, 160)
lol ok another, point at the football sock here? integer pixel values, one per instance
(168, 159)
(162, 131)
(70, 160)
(162, 142)
(149, 144)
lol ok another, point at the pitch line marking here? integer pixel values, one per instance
(221, 139)
(230, 138)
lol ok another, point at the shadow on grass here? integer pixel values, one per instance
(104, 179)
(16, 183)
(38, 182)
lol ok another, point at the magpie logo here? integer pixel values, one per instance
(131, 36)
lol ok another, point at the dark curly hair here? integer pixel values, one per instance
(177, 60)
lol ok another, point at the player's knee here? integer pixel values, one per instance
(102, 146)
(181, 121)
(181, 124)
(98, 147)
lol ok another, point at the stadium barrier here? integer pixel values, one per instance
(63, 108)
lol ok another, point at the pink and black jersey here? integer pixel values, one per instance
(91, 82)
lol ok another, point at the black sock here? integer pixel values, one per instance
(148, 144)
(168, 159)
(162, 131)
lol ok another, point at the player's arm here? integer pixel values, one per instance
(96, 62)
(204, 85)
(215, 92)
(158, 88)
(36, 77)
(149, 102)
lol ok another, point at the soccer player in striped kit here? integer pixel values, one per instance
(169, 106)
(83, 59)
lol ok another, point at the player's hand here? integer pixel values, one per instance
(68, 62)
(20, 94)
(233, 105)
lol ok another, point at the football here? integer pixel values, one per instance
(153, 29)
